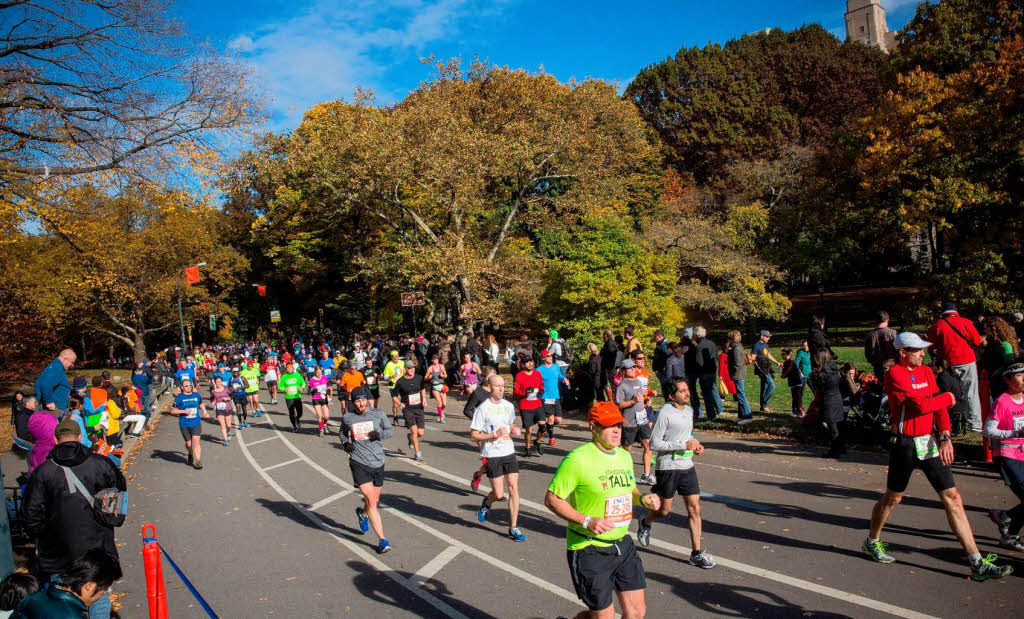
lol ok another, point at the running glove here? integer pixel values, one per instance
(348, 446)
(373, 436)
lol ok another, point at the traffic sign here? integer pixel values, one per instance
(275, 316)
(213, 322)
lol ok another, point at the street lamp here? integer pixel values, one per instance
(181, 316)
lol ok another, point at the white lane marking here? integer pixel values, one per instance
(435, 565)
(263, 440)
(748, 569)
(334, 497)
(280, 464)
(360, 552)
(762, 473)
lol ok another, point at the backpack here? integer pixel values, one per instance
(568, 356)
(109, 505)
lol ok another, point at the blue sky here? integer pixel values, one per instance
(319, 50)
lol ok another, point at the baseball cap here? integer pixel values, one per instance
(605, 414)
(360, 393)
(908, 339)
(948, 307)
(628, 363)
(545, 353)
(68, 427)
(553, 334)
(766, 333)
(410, 363)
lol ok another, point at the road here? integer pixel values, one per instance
(267, 529)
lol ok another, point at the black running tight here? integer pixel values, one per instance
(294, 409)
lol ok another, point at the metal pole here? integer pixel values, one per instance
(181, 322)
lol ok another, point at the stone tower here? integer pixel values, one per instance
(865, 22)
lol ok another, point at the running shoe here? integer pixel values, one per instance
(552, 442)
(527, 453)
(227, 442)
(1002, 521)
(198, 465)
(321, 431)
(440, 419)
(878, 551)
(481, 514)
(702, 559)
(191, 460)
(648, 479)
(515, 534)
(231, 433)
(383, 546)
(747, 421)
(537, 449)
(475, 484)
(987, 569)
(1013, 542)
(419, 456)
(364, 521)
(643, 533)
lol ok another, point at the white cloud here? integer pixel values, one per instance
(895, 4)
(325, 51)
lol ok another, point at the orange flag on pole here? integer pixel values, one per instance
(262, 290)
(192, 275)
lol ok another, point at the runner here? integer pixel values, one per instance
(251, 374)
(187, 405)
(493, 426)
(238, 385)
(553, 376)
(270, 371)
(347, 383)
(394, 370)
(220, 398)
(918, 409)
(528, 386)
(672, 437)
(372, 376)
(630, 397)
(292, 384)
(594, 491)
(438, 389)
(361, 434)
(469, 371)
(412, 394)
(476, 399)
(320, 387)
(1005, 427)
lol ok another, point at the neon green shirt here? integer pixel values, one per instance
(291, 385)
(393, 371)
(252, 376)
(598, 484)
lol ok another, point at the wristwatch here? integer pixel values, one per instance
(944, 437)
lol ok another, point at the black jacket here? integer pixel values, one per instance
(825, 383)
(817, 340)
(609, 352)
(706, 357)
(947, 381)
(594, 370)
(62, 523)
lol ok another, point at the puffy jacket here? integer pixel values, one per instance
(53, 603)
(948, 345)
(42, 425)
(62, 523)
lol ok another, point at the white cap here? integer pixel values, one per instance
(908, 339)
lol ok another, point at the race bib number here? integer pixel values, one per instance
(505, 437)
(1018, 423)
(191, 413)
(292, 390)
(531, 394)
(644, 382)
(641, 416)
(321, 389)
(222, 406)
(361, 431)
(549, 401)
(371, 380)
(682, 455)
(414, 399)
(926, 446)
(618, 510)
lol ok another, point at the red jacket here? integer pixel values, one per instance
(950, 346)
(915, 404)
(524, 382)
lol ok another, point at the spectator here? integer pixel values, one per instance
(878, 344)
(493, 352)
(15, 588)
(630, 343)
(954, 339)
(42, 425)
(609, 351)
(143, 377)
(595, 378)
(825, 383)
(764, 369)
(52, 386)
(675, 365)
(949, 383)
(796, 381)
(707, 373)
(661, 353)
(803, 363)
(1018, 325)
(817, 339)
(1001, 350)
(848, 385)
(62, 523)
(20, 415)
(738, 372)
(77, 592)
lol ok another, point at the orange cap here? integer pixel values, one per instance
(606, 414)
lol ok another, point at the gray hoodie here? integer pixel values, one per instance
(366, 452)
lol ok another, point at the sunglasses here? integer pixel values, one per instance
(1016, 368)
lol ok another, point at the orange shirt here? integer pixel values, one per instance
(351, 380)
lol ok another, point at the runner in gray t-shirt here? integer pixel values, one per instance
(630, 397)
(361, 434)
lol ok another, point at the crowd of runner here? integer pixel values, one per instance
(596, 486)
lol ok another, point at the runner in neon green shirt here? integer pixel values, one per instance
(251, 373)
(292, 383)
(394, 370)
(594, 490)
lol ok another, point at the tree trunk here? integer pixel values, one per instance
(139, 347)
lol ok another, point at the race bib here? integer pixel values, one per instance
(506, 437)
(371, 380)
(618, 510)
(682, 455)
(414, 399)
(321, 389)
(531, 394)
(926, 447)
(191, 413)
(223, 406)
(292, 390)
(1018, 423)
(546, 401)
(361, 431)
(641, 416)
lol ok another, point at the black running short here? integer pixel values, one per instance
(362, 474)
(502, 465)
(191, 432)
(414, 416)
(683, 481)
(533, 416)
(554, 409)
(631, 436)
(597, 573)
(902, 462)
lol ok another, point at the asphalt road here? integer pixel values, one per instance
(268, 529)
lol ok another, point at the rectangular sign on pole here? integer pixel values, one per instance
(275, 316)
(410, 299)
(213, 322)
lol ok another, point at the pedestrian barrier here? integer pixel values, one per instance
(155, 589)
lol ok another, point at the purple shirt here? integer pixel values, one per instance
(42, 425)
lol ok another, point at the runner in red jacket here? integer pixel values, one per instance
(954, 339)
(920, 422)
(528, 386)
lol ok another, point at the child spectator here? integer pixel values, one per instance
(796, 381)
(15, 588)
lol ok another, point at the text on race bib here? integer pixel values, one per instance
(191, 413)
(222, 406)
(682, 455)
(546, 401)
(414, 399)
(926, 447)
(321, 389)
(506, 436)
(1018, 423)
(371, 380)
(618, 510)
(641, 416)
(361, 431)
(292, 390)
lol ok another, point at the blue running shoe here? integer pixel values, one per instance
(517, 535)
(481, 514)
(364, 521)
(383, 546)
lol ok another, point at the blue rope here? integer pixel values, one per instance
(188, 584)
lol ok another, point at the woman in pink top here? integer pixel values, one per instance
(1005, 427)
(41, 425)
(320, 387)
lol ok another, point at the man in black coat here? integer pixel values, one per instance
(62, 521)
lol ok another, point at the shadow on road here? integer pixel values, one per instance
(170, 456)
